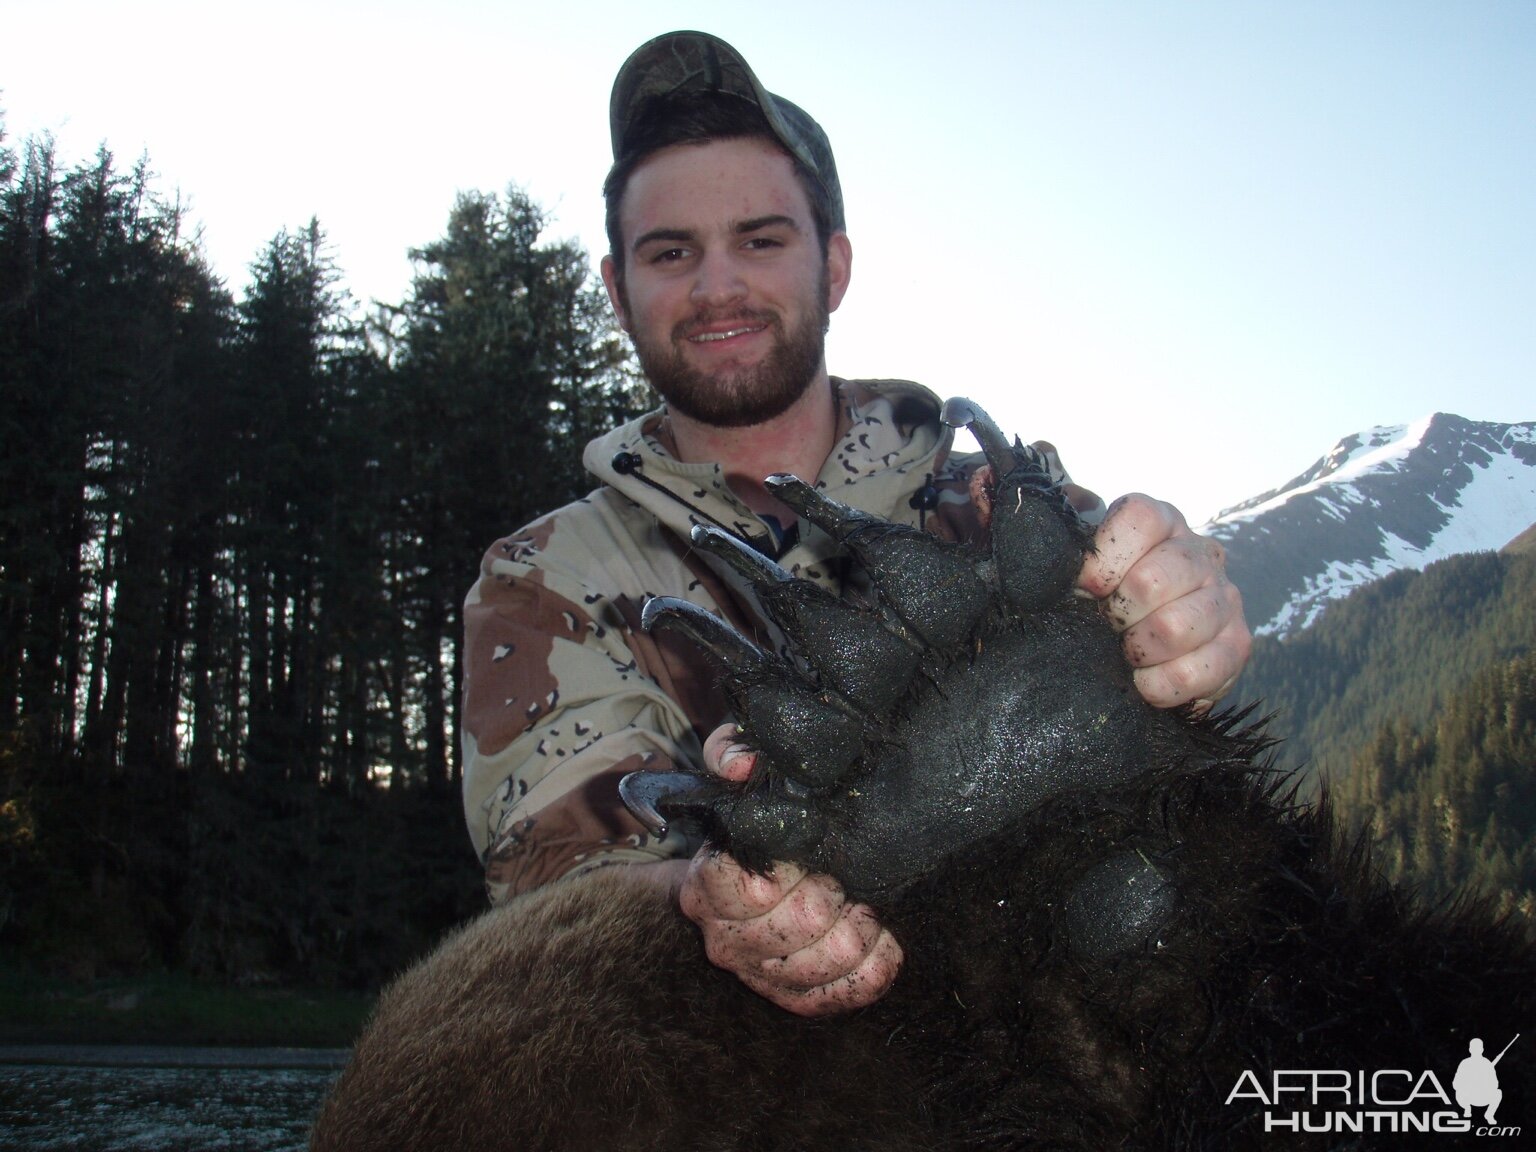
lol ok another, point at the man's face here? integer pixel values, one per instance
(725, 293)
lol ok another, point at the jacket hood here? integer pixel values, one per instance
(890, 438)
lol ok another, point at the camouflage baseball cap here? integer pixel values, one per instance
(697, 61)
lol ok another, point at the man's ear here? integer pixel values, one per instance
(611, 275)
(839, 268)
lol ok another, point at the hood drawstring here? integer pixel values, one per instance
(630, 464)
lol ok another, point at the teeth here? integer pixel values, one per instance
(704, 337)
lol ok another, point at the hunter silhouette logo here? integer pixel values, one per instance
(1477, 1080)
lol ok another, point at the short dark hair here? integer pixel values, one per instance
(698, 118)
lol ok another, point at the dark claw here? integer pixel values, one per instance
(934, 587)
(650, 796)
(749, 563)
(856, 651)
(706, 629)
(842, 523)
(805, 736)
(961, 413)
(1038, 542)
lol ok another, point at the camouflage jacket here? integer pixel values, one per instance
(564, 693)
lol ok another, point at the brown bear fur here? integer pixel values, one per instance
(569, 1018)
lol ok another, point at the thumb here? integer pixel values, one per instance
(726, 756)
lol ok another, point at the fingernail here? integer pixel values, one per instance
(1206, 703)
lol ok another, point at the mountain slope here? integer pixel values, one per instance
(1450, 799)
(1396, 650)
(1381, 501)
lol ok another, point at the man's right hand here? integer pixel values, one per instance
(789, 935)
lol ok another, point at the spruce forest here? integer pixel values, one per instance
(235, 537)
(1413, 703)
(1450, 803)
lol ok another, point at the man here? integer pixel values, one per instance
(1477, 1081)
(727, 255)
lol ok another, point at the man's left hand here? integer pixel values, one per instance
(1166, 590)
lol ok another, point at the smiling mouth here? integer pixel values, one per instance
(711, 337)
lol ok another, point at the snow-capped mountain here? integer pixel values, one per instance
(1381, 500)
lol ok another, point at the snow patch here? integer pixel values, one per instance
(1379, 478)
(1383, 449)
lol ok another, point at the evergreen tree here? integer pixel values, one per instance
(29, 687)
(1451, 801)
(106, 307)
(507, 364)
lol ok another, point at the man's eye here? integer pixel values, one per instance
(666, 255)
(759, 242)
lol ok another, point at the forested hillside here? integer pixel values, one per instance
(1449, 799)
(235, 536)
(1395, 649)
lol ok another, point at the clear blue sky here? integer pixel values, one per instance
(1191, 243)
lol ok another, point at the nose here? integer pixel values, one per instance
(719, 281)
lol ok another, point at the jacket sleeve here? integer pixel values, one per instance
(563, 695)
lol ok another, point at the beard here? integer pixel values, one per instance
(738, 398)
